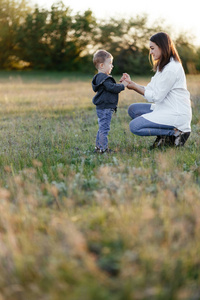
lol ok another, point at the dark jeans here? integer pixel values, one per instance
(104, 120)
(141, 126)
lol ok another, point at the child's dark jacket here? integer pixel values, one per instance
(107, 91)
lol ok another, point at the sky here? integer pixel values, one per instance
(181, 16)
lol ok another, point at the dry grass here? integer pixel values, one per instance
(75, 225)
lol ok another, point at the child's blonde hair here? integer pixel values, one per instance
(100, 56)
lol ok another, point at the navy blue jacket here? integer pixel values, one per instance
(107, 91)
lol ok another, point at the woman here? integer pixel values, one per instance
(169, 117)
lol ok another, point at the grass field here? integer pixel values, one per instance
(75, 225)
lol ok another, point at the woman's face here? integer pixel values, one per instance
(155, 51)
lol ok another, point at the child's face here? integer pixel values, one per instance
(107, 66)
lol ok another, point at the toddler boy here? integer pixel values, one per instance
(106, 98)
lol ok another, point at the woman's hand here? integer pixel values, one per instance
(125, 83)
(125, 77)
(132, 85)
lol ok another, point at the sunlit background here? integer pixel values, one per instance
(181, 16)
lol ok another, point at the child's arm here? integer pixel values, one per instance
(113, 87)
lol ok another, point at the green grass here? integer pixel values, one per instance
(80, 226)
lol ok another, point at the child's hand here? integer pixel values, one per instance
(125, 83)
(125, 76)
(122, 78)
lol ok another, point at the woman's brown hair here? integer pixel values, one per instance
(168, 50)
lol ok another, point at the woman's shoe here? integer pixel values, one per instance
(159, 142)
(181, 139)
(169, 140)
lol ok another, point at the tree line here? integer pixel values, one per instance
(57, 39)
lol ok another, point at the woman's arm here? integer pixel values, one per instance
(136, 87)
(132, 85)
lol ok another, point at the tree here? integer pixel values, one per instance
(55, 39)
(84, 32)
(127, 40)
(31, 39)
(57, 36)
(198, 60)
(188, 54)
(12, 14)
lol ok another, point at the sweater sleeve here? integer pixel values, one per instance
(157, 90)
(113, 87)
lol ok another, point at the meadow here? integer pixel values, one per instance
(75, 225)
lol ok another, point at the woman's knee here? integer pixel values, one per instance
(138, 125)
(133, 126)
(131, 111)
(138, 109)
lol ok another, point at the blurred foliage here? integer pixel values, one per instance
(77, 225)
(188, 54)
(56, 39)
(12, 14)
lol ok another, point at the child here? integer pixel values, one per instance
(106, 98)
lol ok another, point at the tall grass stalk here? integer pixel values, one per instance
(77, 225)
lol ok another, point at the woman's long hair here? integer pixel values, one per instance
(168, 50)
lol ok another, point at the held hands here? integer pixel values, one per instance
(131, 85)
(125, 76)
(125, 80)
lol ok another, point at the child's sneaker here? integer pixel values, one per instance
(106, 151)
(96, 149)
